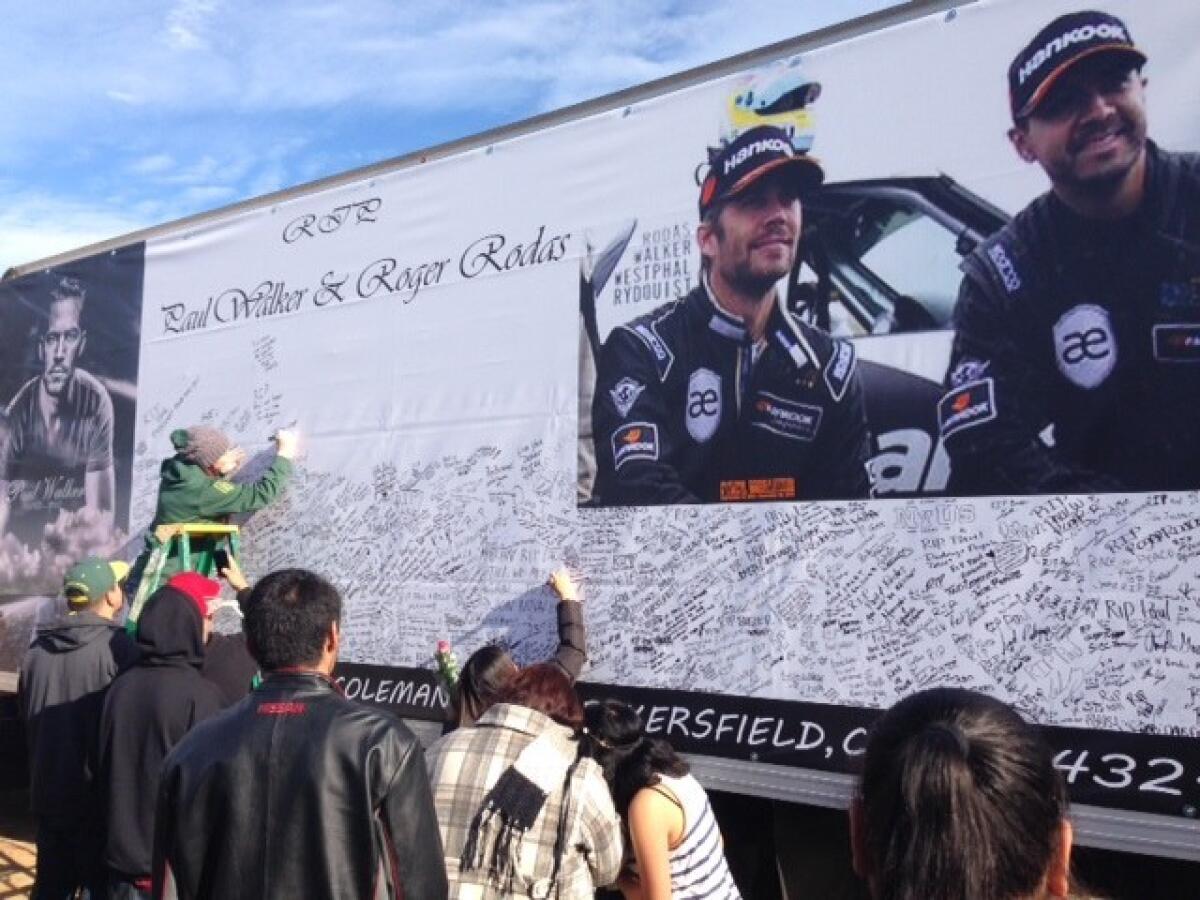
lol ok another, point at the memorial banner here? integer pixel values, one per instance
(517, 355)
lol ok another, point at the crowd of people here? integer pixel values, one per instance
(150, 780)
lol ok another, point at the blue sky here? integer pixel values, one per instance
(119, 115)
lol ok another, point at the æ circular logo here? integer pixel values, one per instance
(1085, 347)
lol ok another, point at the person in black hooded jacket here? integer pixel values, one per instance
(147, 711)
(64, 676)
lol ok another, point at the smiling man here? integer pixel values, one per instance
(724, 394)
(60, 449)
(1076, 362)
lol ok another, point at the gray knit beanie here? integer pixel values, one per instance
(200, 444)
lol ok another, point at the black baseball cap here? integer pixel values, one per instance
(752, 155)
(1060, 45)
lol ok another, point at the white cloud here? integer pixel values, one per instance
(167, 110)
(187, 23)
(36, 226)
(203, 55)
(124, 97)
(153, 165)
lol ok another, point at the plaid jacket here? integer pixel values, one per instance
(463, 766)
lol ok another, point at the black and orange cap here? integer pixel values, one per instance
(1057, 47)
(755, 153)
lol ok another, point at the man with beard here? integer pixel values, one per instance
(725, 394)
(60, 445)
(1076, 361)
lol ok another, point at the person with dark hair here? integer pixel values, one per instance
(481, 681)
(60, 428)
(490, 668)
(1076, 358)
(60, 692)
(522, 813)
(194, 484)
(147, 711)
(297, 791)
(673, 833)
(959, 800)
(726, 394)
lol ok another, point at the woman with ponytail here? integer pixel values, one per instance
(489, 669)
(676, 845)
(959, 800)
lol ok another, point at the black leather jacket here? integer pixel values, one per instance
(685, 413)
(1091, 327)
(297, 792)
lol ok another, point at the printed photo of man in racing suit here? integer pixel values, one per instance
(725, 395)
(1076, 360)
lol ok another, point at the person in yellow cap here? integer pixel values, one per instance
(64, 676)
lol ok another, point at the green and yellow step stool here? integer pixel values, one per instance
(177, 539)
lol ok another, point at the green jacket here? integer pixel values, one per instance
(186, 493)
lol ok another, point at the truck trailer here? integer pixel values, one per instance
(433, 323)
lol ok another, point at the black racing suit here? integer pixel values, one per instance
(688, 410)
(1092, 328)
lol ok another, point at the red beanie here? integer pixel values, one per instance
(197, 587)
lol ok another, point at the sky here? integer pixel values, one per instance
(120, 115)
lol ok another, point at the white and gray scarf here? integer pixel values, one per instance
(514, 803)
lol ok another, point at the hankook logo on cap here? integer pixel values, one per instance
(766, 145)
(1085, 347)
(1080, 35)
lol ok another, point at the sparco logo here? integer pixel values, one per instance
(1080, 35)
(839, 369)
(767, 145)
(1005, 268)
(663, 357)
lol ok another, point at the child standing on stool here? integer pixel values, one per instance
(194, 484)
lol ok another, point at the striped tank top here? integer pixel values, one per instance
(698, 866)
